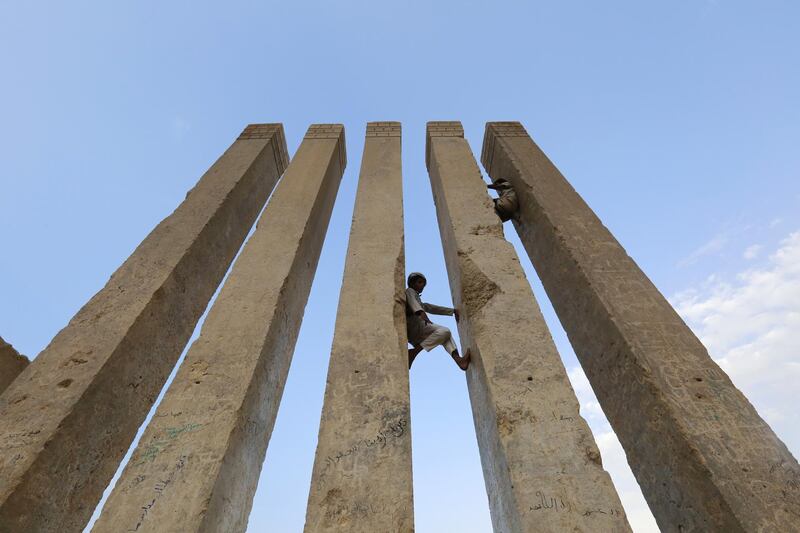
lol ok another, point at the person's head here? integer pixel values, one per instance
(417, 281)
(499, 184)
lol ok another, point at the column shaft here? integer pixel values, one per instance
(362, 470)
(11, 364)
(704, 458)
(69, 418)
(541, 465)
(197, 465)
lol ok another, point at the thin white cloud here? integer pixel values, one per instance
(749, 323)
(751, 252)
(713, 246)
(179, 127)
(614, 459)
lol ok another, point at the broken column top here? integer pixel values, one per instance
(440, 128)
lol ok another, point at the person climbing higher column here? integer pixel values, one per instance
(506, 204)
(422, 333)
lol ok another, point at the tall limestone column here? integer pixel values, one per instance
(197, 465)
(541, 465)
(704, 458)
(362, 470)
(11, 364)
(68, 419)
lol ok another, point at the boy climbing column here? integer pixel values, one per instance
(422, 333)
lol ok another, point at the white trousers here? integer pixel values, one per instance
(438, 335)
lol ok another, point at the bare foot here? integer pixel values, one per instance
(412, 354)
(463, 362)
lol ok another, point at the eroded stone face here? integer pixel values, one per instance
(11, 364)
(541, 465)
(362, 471)
(198, 462)
(703, 457)
(68, 419)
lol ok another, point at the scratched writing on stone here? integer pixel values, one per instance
(555, 503)
(157, 446)
(611, 512)
(562, 418)
(159, 488)
(364, 509)
(395, 430)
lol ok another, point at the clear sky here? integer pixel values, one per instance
(678, 122)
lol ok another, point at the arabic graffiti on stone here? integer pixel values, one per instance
(159, 489)
(611, 512)
(556, 503)
(365, 509)
(157, 446)
(393, 431)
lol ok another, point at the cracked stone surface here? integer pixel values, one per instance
(362, 471)
(541, 465)
(197, 465)
(11, 364)
(704, 458)
(71, 415)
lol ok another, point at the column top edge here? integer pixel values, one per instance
(383, 129)
(330, 131)
(441, 128)
(444, 128)
(324, 131)
(273, 131)
(506, 129)
(261, 131)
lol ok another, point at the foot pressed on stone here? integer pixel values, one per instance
(463, 362)
(412, 354)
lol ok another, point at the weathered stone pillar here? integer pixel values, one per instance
(541, 465)
(197, 465)
(67, 420)
(11, 364)
(362, 470)
(704, 458)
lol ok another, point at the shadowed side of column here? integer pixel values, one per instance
(68, 419)
(704, 458)
(197, 465)
(541, 465)
(11, 364)
(362, 470)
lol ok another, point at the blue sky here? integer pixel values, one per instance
(678, 122)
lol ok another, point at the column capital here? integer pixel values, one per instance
(330, 131)
(492, 132)
(269, 131)
(384, 129)
(440, 128)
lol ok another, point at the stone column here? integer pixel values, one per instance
(541, 465)
(362, 470)
(197, 465)
(68, 420)
(704, 458)
(11, 364)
